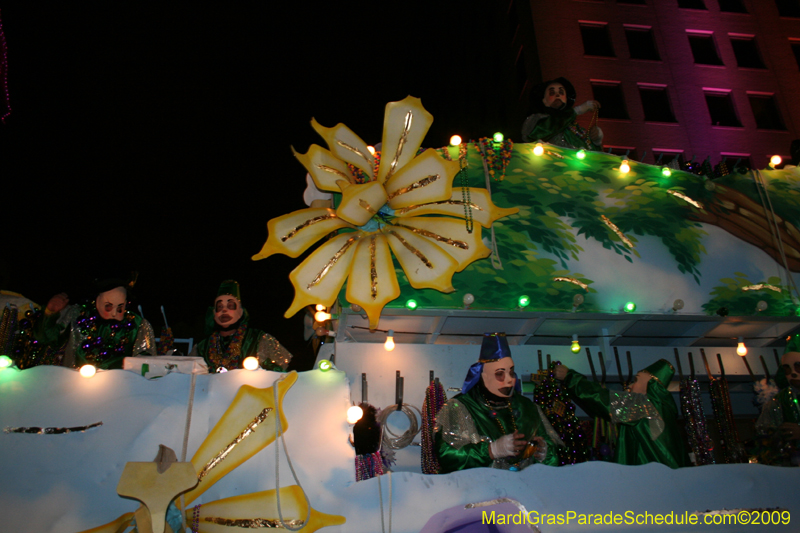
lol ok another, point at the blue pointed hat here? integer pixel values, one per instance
(493, 348)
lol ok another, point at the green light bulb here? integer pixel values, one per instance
(5, 361)
(498, 137)
(581, 154)
(325, 365)
(630, 307)
(411, 304)
(524, 300)
(666, 172)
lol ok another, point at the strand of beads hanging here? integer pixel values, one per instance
(466, 197)
(696, 428)
(553, 398)
(497, 156)
(731, 448)
(434, 400)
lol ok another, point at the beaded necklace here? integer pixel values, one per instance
(230, 356)
(493, 414)
(95, 347)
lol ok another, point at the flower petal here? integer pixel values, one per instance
(479, 206)
(293, 233)
(427, 178)
(372, 282)
(347, 146)
(360, 202)
(324, 168)
(405, 124)
(450, 235)
(319, 278)
(426, 265)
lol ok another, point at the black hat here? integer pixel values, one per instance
(537, 94)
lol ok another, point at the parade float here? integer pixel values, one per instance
(603, 263)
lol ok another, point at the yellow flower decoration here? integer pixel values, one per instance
(389, 214)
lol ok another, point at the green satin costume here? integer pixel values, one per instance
(464, 429)
(635, 444)
(270, 353)
(63, 328)
(560, 130)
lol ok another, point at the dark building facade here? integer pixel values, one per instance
(691, 79)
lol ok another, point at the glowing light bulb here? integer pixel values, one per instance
(354, 414)
(324, 365)
(320, 307)
(88, 371)
(625, 167)
(5, 362)
(468, 299)
(575, 348)
(389, 344)
(371, 149)
(411, 304)
(524, 300)
(630, 307)
(538, 149)
(321, 316)
(250, 363)
(775, 160)
(666, 172)
(581, 154)
(741, 349)
(455, 140)
(498, 137)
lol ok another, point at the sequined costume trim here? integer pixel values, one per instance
(626, 407)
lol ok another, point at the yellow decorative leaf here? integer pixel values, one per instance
(360, 202)
(372, 282)
(428, 178)
(293, 233)
(451, 236)
(480, 207)
(426, 265)
(347, 146)
(405, 124)
(319, 278)
(325, 169)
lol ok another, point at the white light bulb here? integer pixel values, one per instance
(389, 344)
(88, 371)
(250, 363)
(354, 414)
(741, 349)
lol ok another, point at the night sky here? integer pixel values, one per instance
(156, 136)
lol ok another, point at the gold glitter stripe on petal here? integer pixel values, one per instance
(433, 178)
(435, 236)
(338, 255)
(616, 230)
(364, 204)
(410, 248)
(306, 224)
(400, 144)
(685, 198)
(331, 170)
(373, 269)
(404, 210)
(239, 438)
(354, 150)
(761, 286)
(253, 523)
(573, 281)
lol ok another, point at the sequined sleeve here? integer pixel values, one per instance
(458, 444)
(771, 416)
(270, 350)
(631, 407)
(145, 342)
